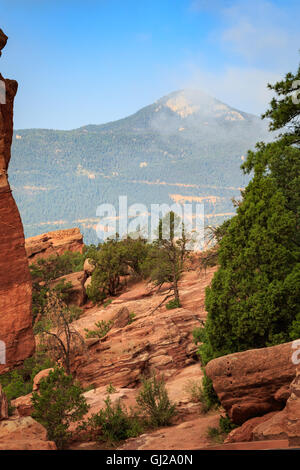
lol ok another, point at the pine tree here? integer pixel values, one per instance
(254, 299)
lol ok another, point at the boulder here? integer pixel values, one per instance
(76, 293)
(88, 266)
(121, 318)
(15, 281)
(53, 243)
(24, 434)
(254, 382)
(244, 433)
(87, 283)
(41, 375)
(23, 405)
(3, 405)
(274, 428)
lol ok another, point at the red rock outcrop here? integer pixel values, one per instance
(244, 433)
(253, 383)
(160, 339)
(278, 444)
(189, 426)
(15, 281)
(189, 435)
(124, 354)
(23, 405)
(24, 434)
(43, 374)
(76, 293)
(53, 243)
(274, 428)
(282, 425)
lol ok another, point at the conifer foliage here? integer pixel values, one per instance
(254, 299)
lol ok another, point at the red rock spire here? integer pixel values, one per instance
(15, 281)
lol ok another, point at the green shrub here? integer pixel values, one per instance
(226, 425)
(209, 397)
(19, 381)
(103, 328)
(215, 434)
(17, 387)
(202, 393)
(113, 423)
(55, 266)
(131, 318)
(89, 387)
(154, 402)
(58, 403)
(46, 270)
(204, 352)
(110, 389)
(75, 313)
(94, 293)
(194, 389)
(174, 303)
(219, 434)
(112, 259)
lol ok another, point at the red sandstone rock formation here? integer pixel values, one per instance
(244, 433)
(161, 340)
(253, 383)
(15, 281)
(282, 425)
(189, 435)
(24, 434)
(77, 295)
(53, 243)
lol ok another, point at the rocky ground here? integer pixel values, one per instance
(254, 386)
(161, 341)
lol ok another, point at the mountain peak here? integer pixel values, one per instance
(188, 102)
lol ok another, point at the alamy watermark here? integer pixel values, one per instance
(2, 352)
(296, 353)
(2, 92)
(138, 220)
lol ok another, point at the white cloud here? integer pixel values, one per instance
(260, 31)
(242, 87)
(258, 41)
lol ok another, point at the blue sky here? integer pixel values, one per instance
(94, 61)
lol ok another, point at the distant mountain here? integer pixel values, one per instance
(185, 146)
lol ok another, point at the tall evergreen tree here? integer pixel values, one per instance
(254, 299)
